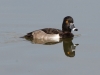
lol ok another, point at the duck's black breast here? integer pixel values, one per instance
(68, 35)
(52, 31)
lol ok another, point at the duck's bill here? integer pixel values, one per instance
(72, 27)
(75, 29)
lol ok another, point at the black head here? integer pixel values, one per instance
(68, 24)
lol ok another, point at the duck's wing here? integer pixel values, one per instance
(52, 31)
(45, 30)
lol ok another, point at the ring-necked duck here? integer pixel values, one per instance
(55, 34)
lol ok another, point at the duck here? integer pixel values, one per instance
(54, 34)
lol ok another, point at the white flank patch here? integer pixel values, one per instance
(40, 35)
(55, 37)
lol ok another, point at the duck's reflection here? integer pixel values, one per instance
(68, 46)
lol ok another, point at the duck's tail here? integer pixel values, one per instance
(28, 36)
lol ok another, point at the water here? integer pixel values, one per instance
(21, 57)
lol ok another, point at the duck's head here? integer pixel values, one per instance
(68, 24)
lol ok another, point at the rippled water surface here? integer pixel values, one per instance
(21, 57)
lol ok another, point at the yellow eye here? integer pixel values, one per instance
(67, 21)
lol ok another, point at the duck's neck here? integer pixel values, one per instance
(65, 28)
